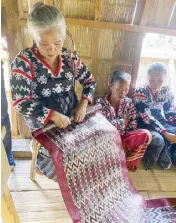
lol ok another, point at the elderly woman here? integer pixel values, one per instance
(121, 112)
(155, 104)
(43, 78)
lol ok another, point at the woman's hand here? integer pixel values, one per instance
(61, 121)
(80, 111)
(170, 137)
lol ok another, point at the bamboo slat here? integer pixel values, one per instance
(117, 10)
(78, 8)
(172, 22)
(157, 12)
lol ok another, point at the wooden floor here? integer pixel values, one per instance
(42, 202)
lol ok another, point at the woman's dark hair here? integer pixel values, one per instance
(157, 66)
(118, 75)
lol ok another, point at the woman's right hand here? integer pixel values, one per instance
(170, 137)
(61, 121)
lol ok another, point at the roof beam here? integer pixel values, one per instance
(119, 26)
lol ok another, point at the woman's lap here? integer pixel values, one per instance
(157, 152)
(137, 138)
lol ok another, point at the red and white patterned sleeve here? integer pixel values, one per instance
(139, 99)
(85, 78)
(22, 74)
(131, 116)
(169, 108)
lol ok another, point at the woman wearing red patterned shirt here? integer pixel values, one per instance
(121, 112)
(43, 77)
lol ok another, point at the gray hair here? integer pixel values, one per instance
(157, 66)
(44, 18)
(120, 76)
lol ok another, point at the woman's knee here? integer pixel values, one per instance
(147, 136)
(157, 139)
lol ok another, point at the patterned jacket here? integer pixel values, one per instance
(124, 117)
(37, 90)
(155, 110)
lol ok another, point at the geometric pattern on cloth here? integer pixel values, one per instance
(160, 215)
(92, 175)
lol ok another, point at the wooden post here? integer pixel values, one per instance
(139, 19)
(95, 40)
(15, 44)
(8, 210)
(48, 2)
(35, 146)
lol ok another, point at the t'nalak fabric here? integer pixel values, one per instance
(93, 178)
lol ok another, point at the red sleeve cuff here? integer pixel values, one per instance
(48, 117)
(162, 131)
(87, 98)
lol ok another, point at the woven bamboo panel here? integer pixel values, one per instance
(158, 12)
(87, 61)
(125, 43)
(82, 37)
(118, 37)
(82, 9)
(117, 10)
(106, 44)
(104, 73)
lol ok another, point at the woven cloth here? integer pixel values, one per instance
(92, 175)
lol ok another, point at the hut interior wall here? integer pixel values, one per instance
(102, 50)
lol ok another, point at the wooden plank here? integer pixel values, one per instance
(119, 26)
(94, 50)
(5, 169)
(50, 200)
(48, 2)
(8, 210)
(160, 194)
(115, 26)
(149, 181)
(19, 180)
(166, 179)
(155, 179)
(41, 206)
(136, 61)
(95, 40)
(139, 12)
(22, 9)
(23, 128)
(21, 148)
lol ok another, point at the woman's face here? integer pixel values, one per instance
(120, 89)
(156, 80)
(50, 44)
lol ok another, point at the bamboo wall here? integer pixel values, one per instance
(102, 50)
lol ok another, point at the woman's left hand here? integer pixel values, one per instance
(80, 111)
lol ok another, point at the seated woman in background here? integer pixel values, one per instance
(43, 77)
(155, 104)
(121, 112)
